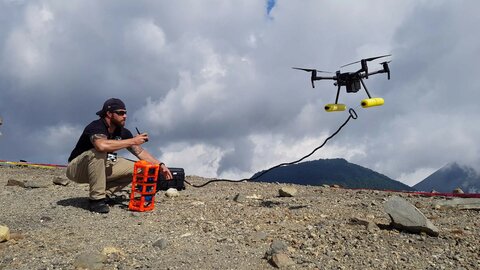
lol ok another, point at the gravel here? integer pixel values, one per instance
(225, 226)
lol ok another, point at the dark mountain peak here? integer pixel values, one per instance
(451, 176)
(331, 171)
(451, 166)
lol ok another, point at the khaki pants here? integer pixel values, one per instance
(102, 175)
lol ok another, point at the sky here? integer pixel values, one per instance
(212, 82)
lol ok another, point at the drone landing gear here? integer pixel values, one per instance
(335, 107)
(370, 102)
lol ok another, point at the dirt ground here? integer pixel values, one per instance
(224, 226)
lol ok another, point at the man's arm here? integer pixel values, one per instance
(143, 154)
(103, 144)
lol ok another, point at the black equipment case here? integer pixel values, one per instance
(177, 182)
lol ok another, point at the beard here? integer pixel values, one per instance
(118, 123)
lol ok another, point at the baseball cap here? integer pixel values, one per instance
(111, 105)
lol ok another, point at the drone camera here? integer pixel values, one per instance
(335, 107)
(371, 102)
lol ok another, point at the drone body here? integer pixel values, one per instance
(353, 82)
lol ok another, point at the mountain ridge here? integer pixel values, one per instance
(331, 171)
(452, 175)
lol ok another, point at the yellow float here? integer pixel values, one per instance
(371, 102)
(335, 107)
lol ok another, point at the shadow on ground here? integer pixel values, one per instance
(79, 202)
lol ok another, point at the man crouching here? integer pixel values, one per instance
(94, 161)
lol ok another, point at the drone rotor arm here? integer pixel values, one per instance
(372, 73)
(314, 76)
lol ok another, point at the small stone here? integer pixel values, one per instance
(287, 192)
(254, 197)
(60, 181)
(258, 236)
(186, 235)
(281, 260)
(112, 250)
(198, 203)
(45, 218)
(239, 198)
(16, 236)
(458, 203)
(27, 183)
(277, 246)
(14, 182)
(161, 243)
(36, 184)
(172, 192)
(4, 233)
(458, 191)
(89, 260)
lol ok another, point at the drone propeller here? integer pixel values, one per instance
(310, 70)
(314, 73)
(367, 59)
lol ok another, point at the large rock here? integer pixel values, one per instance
(405, 216)
(4, 233)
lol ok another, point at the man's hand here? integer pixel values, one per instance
(140, 138)
(165, 171)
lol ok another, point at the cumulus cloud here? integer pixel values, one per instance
(212, 83)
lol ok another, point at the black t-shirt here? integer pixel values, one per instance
(97, 127)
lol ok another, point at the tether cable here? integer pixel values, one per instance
(352, 115)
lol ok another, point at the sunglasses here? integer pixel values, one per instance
(121, 113)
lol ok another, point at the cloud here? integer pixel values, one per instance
(212, 83)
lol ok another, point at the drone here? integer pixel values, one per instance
(353, 81)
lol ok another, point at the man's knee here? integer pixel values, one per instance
(80, 168)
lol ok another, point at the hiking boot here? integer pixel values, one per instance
(99, 206)
(114, 200)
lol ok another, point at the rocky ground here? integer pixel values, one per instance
(225, 226)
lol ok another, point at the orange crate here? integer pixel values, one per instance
(144, 186)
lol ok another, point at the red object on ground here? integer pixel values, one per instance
(144, 186)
